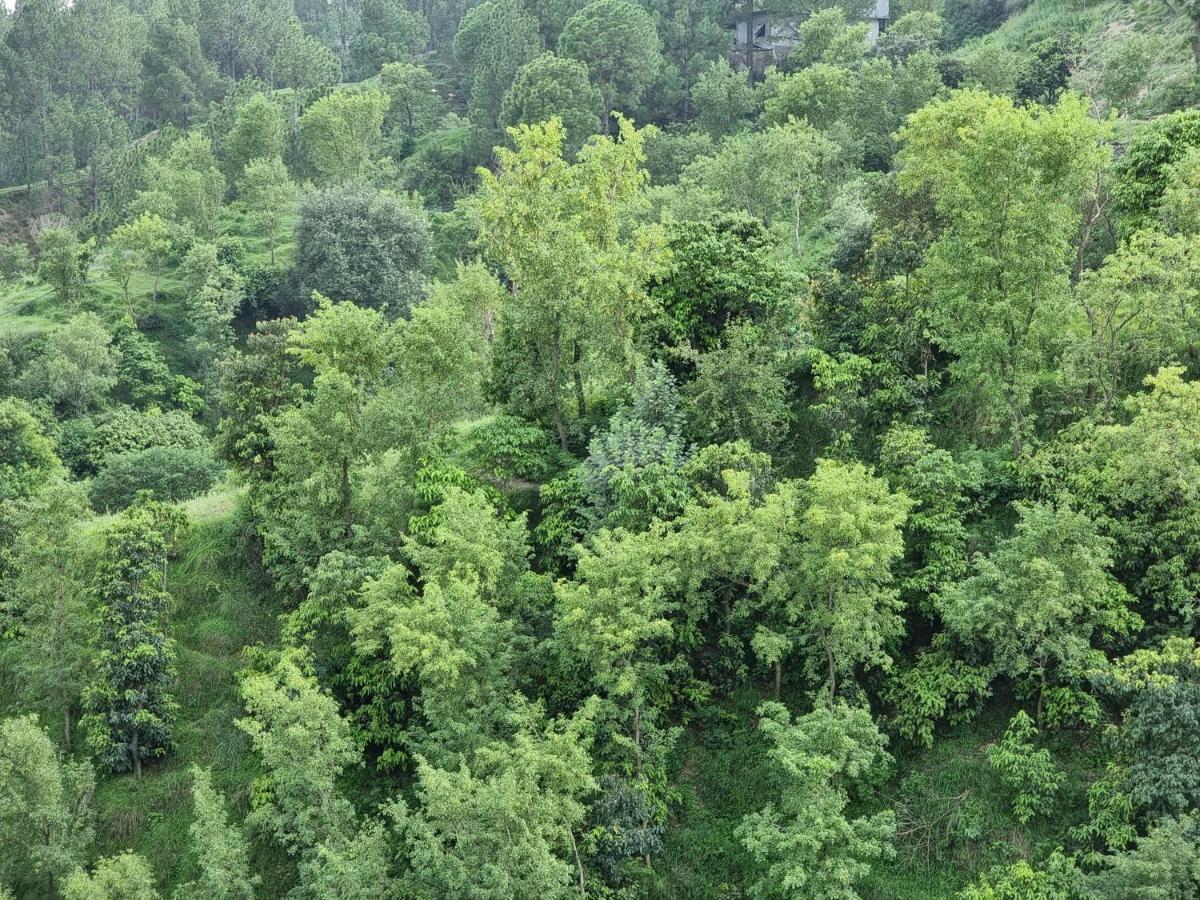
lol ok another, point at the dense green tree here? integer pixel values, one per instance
(356, 243)
(305, 744)
(1041, 600)
(390, 32)
(618, 43)
(804, 843)
(723, 100)
(185, 186)
(63, 262)
(77, 368)
(45, 808)
(51, 657)
(142, 245)
(1029, 771)
(342, 133)
(494, 41)
(1008, 182)
(128, 704)
(416, 106)
(553, 87)
(258, 133)
(123, 877)
(510, 824)
(27, 461)
(779, 175)
(838, 573)
(555, 229)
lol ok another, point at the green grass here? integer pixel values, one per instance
(218, 610)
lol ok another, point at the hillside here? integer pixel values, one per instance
(509, 450)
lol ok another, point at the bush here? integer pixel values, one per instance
(125, 429)
(169, 473)
(15, 261)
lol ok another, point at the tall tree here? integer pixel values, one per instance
(1007, 181)
(578, 283)
(130, 710)
(618, 43)
(49, 599)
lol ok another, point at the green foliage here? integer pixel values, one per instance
(63, 264)
(493, 42)
(167, 473)
(936, 687)
(359, 244)
(1042, 599)
(128, 704)
(342, 134)
(219, 847)
(122, 877)
(619, 44)
(258, 133)
(49, 609)
(1164, 863)
(1030, 772)
(805, 843)
(45, 808)
(1022, 881)
(27, 460)
(724, 102)
(269, 195)
(554, 87)
(305, 745)
(415, 108)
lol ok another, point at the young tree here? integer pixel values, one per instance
(45, 808)
(219, 847)
(143, 244)
(806, 843)
(837, 583)
(48, 595)
(130, 711)
(1027, 770)
(185, 186)
(258, 133)
(123, 877)
(27, 458)
(1039, 600)
(618, 43)
(269, 195)
(63, 263)
(342, 133)
(305, 745)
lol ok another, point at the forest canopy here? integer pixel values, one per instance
(617, 449)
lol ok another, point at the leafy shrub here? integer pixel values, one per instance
(169, 473)
(1028, 771)
(15, 261)
(125, 429)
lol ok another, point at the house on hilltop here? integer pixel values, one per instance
(775, 34)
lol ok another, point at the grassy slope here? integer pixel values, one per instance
(219, 609)
(724, 772)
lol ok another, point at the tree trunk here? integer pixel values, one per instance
(134, 751)
(578, 864)
(580, 402)
(778, 677)
(67, 725)
(555, 379)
